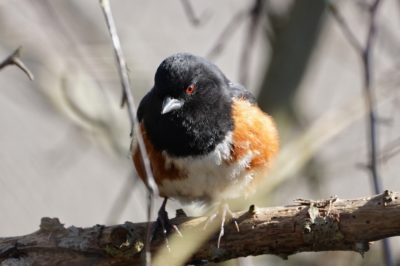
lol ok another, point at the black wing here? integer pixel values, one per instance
(239, 91)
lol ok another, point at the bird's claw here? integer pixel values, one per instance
(224, 211)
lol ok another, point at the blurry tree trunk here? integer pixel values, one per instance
(294, 38)
(292, 46)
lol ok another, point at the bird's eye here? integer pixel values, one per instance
(190, 89)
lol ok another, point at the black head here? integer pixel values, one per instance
(188, 111)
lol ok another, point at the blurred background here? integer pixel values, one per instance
(65, 140)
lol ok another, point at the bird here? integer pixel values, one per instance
(207, 140)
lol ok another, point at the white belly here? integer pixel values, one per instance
(209, 177)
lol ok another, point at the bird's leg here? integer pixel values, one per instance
(233, 218)
(163, 218)
(164, 223)
(223, 211)
(222, 229)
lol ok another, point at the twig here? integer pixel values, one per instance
(390, 150)
(14, 59)
(336, 225)
(224, 37)
(370, 102)
(191, 15)
(122, 199)
(127, 92)
(127, 97)
(256, 13)
(352, 39)
(369, 96)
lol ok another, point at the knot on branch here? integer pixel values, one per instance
(125, 240)
(48, 224)
(387, 197)
(322, 226)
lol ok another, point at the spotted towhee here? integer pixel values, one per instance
(205, 136)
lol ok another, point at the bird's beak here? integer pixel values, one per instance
(169, 104)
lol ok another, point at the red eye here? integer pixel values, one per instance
(191, 89)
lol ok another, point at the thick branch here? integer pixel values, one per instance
(333, 224)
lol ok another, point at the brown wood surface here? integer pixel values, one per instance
(333, 224)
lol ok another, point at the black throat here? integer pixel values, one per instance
(204, 117)
(188, 133)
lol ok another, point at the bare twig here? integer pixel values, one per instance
(365, 53)
(390, 150)
(127, 97)
(224, 37)
(309, 226)
(14, 59)
(350, 36)
(371, 106)
(369, 96)
(256, 13)
(122, 199)
(127, 92)
(193, 18)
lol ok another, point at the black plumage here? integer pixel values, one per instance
(203, 120)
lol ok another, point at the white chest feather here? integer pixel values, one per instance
(210, 176)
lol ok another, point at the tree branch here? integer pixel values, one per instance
(256, 14)
(333, 224)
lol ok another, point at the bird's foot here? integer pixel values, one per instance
(164, 224)
(222, 212)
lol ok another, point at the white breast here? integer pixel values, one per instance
(210, 177)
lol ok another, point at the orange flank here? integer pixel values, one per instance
(254, 137)
(254, 132)
(157, 160)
